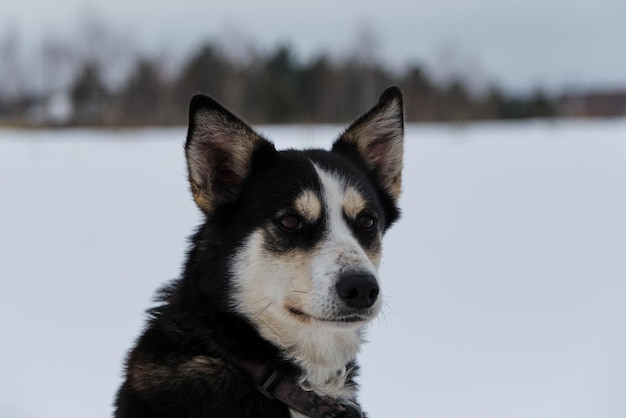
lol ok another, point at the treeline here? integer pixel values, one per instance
(273, 87)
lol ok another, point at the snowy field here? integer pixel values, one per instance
(505, 280)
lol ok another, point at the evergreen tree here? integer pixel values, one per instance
(89, 95)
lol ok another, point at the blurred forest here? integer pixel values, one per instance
(97, 79)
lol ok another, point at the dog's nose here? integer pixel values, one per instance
(358, 290)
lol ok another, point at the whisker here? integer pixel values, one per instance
(393, 298)
(388, 307)
(260, 311)
(385, 309)
(382, 317)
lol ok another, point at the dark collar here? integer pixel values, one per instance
(285, 389)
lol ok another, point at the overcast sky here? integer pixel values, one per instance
(519, 44)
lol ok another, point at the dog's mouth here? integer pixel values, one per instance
(342, 319)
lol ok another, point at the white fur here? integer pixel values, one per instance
(341, 250)
(267, 285)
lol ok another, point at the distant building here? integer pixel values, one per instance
(55, 109)
(594, 104)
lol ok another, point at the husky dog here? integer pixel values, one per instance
(281, 278)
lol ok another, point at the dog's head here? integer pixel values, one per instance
(301, 230)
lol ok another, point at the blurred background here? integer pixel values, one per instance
(122, 63)
(505, 279)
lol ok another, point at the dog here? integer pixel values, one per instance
(280, 280)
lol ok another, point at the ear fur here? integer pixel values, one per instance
(219, 148)
(378, 138)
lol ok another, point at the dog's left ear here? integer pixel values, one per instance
(377, 137)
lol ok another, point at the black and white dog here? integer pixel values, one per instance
(281, 279)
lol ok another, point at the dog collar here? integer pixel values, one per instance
(273, 385)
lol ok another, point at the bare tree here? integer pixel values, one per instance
(58, 64)
(112, 50)
(11, 82)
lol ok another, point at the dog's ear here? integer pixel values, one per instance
(219, 149)
(377, 137)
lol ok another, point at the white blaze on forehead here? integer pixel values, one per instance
(340, 250)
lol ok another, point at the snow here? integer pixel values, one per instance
(505, 280)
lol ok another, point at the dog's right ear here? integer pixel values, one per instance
(219, 149)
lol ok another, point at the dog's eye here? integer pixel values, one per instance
(290, 223)
(366, 222)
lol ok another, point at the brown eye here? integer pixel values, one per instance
(366, 221)
(290, 223)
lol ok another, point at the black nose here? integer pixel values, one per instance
(358, 290)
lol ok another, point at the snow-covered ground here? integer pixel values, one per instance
(505, 280)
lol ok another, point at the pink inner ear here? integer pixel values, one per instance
(224, 174)
(378, 150)
(220, 165)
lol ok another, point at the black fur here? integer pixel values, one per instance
(182, 364)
